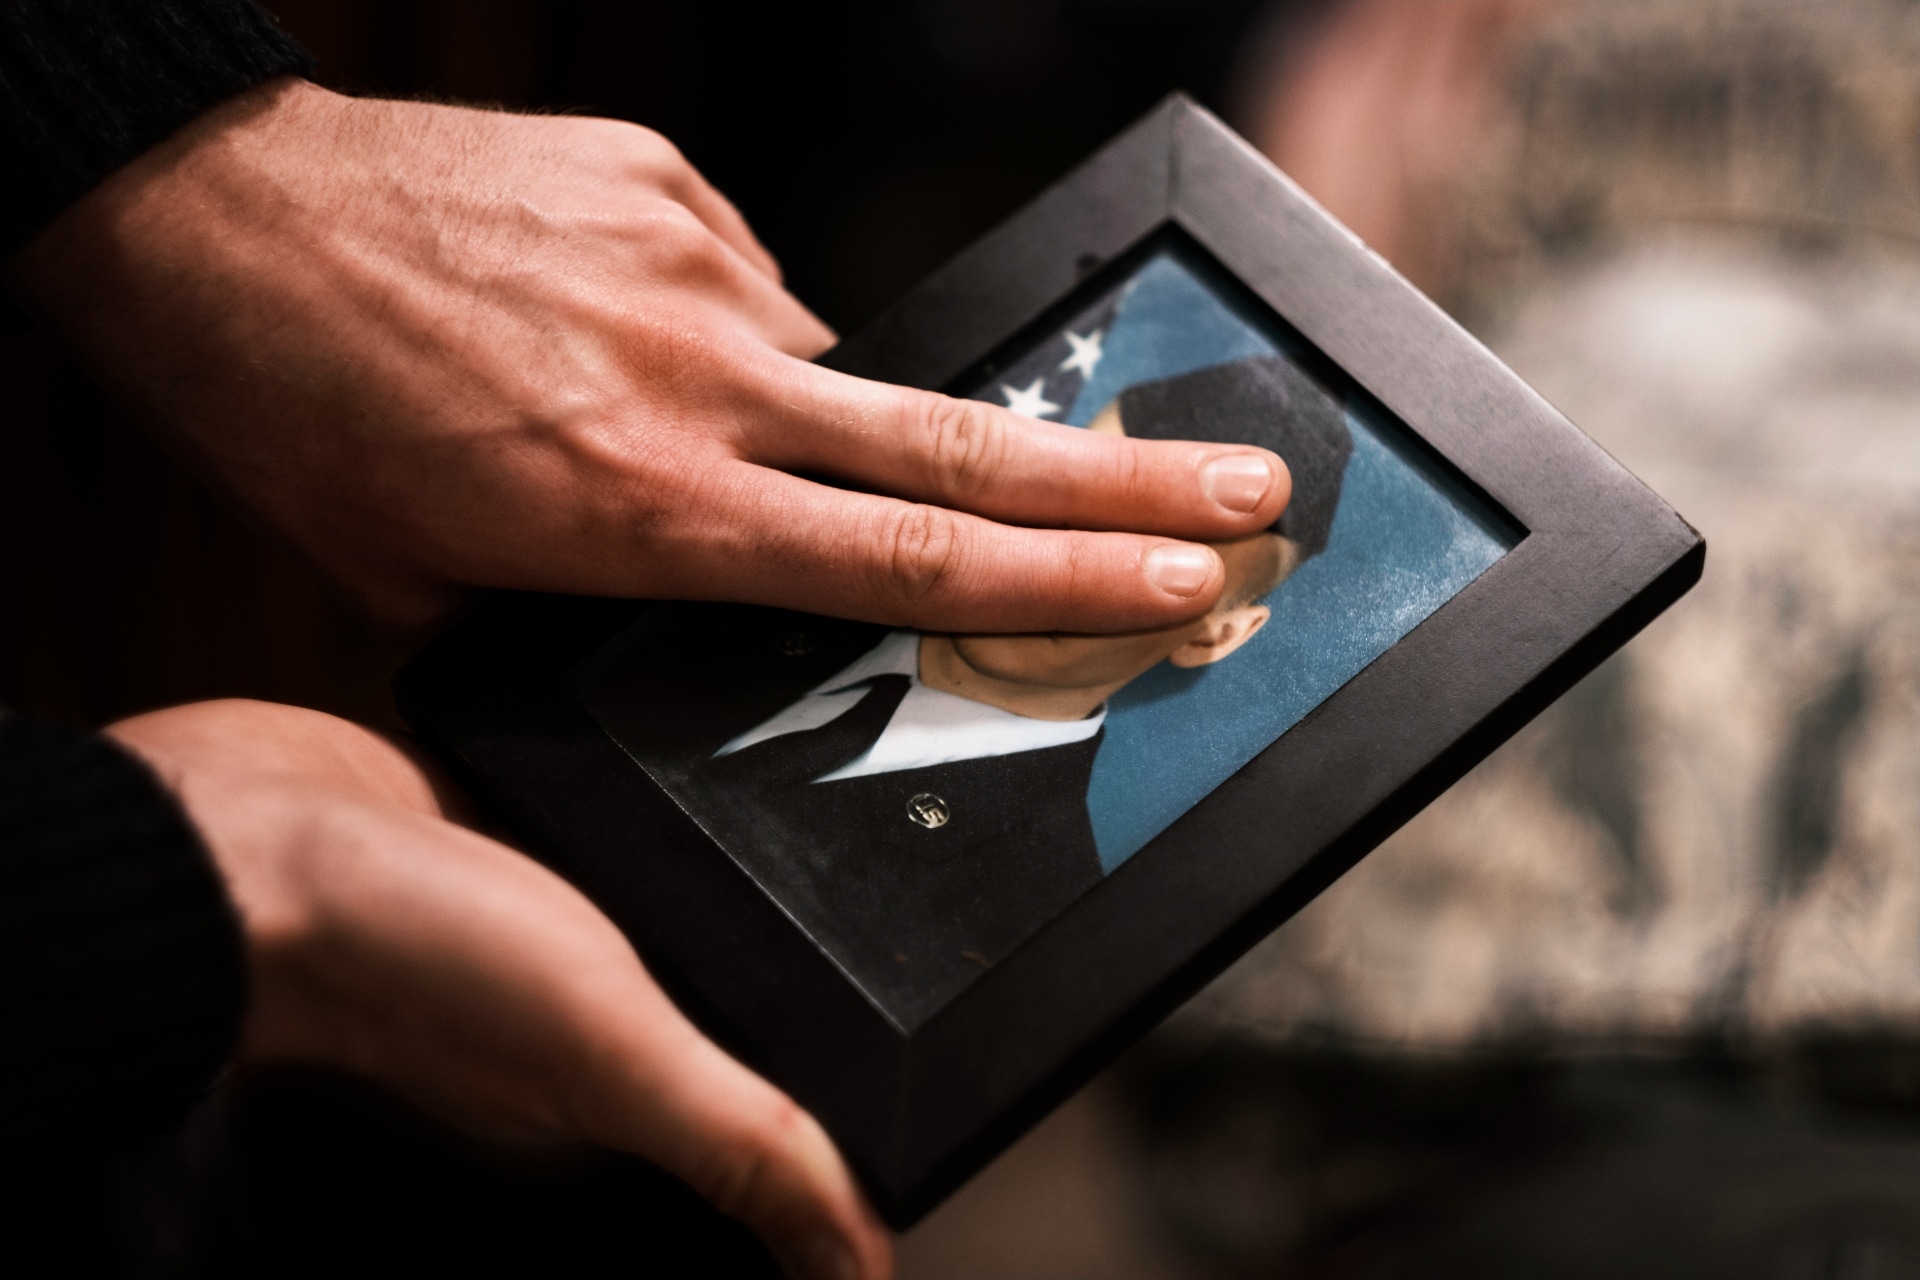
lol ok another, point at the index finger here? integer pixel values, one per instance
(982, 459)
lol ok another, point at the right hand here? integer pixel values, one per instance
(442, 348)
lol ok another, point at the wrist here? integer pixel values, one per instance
(281, 797)
(86, 88)
(196, 181)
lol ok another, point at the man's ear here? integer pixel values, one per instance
(1224, 632)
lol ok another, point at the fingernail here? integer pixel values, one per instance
(1237, 481)
(828, 1259)
(1178, 570)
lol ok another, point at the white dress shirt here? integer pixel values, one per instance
(929, 727)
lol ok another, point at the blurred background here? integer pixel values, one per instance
(1641, 995)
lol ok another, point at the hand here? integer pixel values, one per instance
(442, 348)
(383, 939)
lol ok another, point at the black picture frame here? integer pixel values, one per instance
(1597, 556)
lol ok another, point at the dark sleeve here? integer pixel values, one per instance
(122, 978)
(87, 85)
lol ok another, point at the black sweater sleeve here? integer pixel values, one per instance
(122, 979)
(87, 85)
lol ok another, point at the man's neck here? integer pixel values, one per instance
(942, 668)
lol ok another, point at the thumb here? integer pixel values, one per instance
(748, 1148)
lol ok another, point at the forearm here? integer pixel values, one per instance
(87, 85)
(122, 979)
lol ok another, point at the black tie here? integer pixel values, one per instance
(800, 757)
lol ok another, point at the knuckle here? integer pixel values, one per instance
(627, 149)
(656, 160)
(744, 1168)
(640, 482)
(1135, 472)
(923, 555)
(651, 151)
(684, 246)
(967, 444)
(735, 1172)
(1078, 566)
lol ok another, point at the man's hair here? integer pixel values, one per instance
(1266, 401)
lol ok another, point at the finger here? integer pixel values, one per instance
(756, 1155)
(644, 1079)
(756, 534)
(788, 325)
(708, 262)
(654, 160)
(983, 459)
(718, 213)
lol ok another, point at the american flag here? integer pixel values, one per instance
(1044, 381)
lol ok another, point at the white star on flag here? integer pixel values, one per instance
(1086, 352)
(1030, 402)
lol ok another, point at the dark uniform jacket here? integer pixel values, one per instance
(914, 881)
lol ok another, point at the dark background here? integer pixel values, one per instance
(865, 141)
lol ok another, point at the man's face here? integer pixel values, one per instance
(1254, 566)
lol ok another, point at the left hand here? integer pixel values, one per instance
(385, 940)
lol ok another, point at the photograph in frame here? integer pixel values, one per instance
(920, 805)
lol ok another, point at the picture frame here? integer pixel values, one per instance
(922, 1081)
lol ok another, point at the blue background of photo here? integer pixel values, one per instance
(1406, 538)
